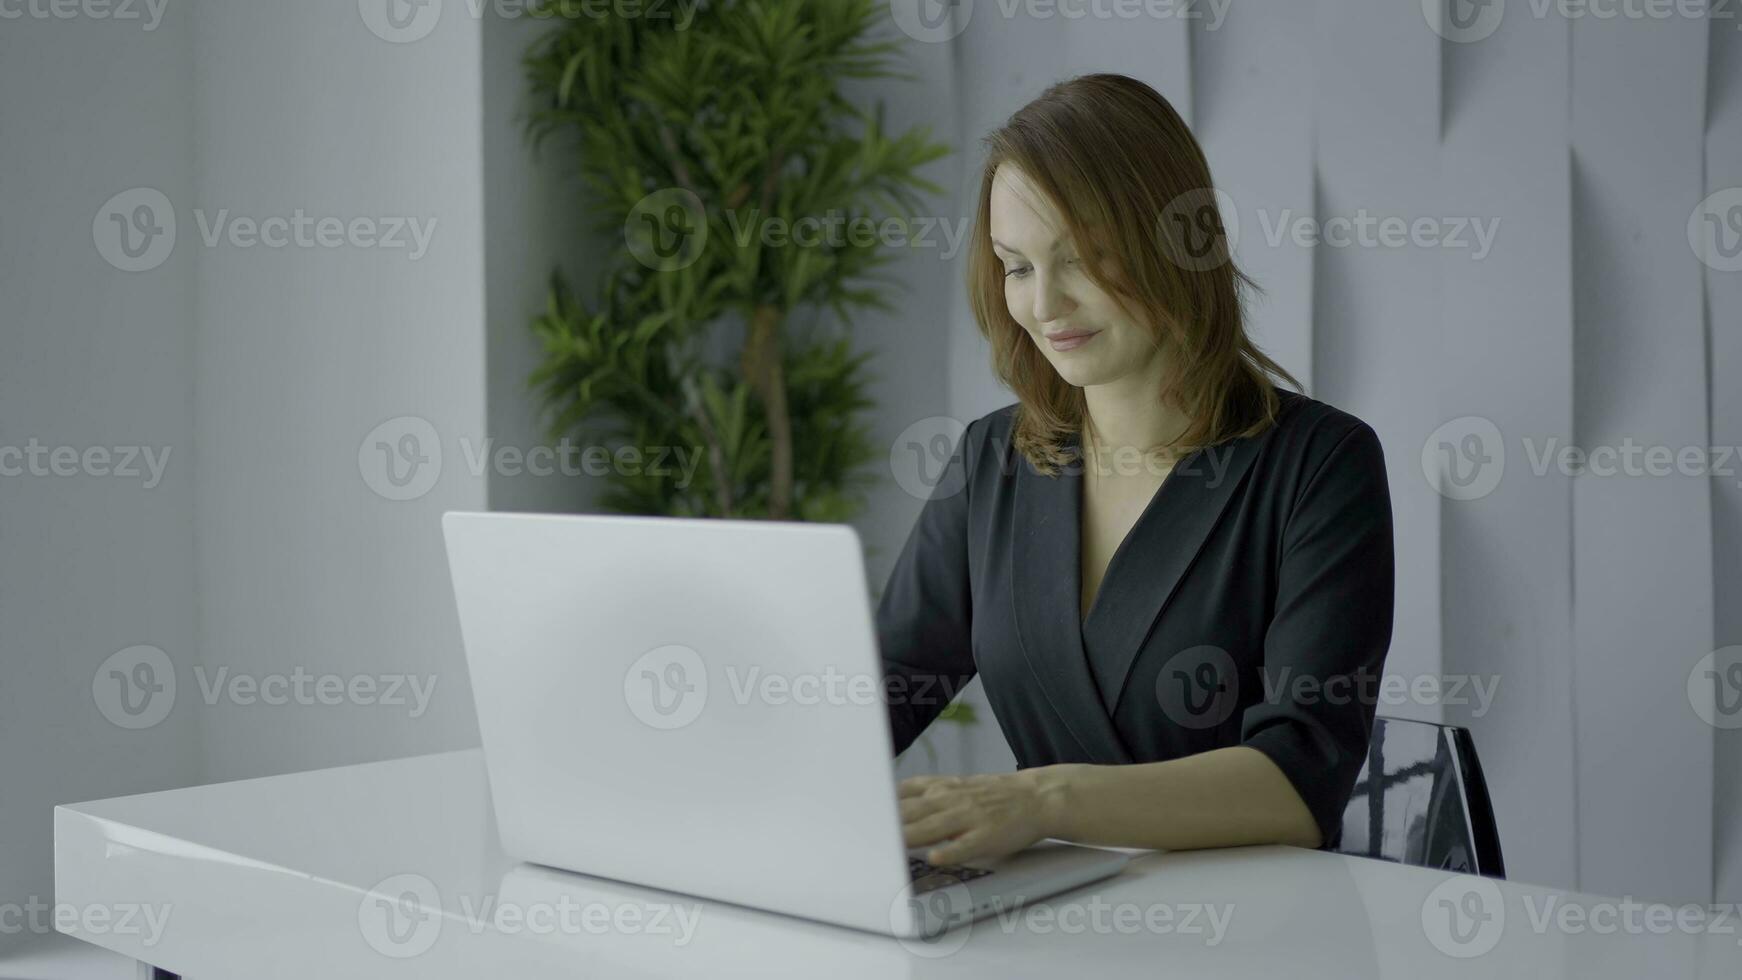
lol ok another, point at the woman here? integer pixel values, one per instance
(1173, 576)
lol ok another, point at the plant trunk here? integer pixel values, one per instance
(760, 363)
(716, 454)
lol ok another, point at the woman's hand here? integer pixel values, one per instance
(978, 817)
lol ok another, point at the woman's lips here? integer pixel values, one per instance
(1071, 339)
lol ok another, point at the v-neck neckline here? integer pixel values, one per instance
(1078, 476)
(1082, 663)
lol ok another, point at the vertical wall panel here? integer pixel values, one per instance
(1724, 327)
(90, 356)
(1505, 358)
(300, 353)
(1642, 561)
(1252, 84)
(1375, 320)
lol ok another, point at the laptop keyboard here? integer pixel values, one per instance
(927, 876)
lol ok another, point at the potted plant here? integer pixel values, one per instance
(722, 154)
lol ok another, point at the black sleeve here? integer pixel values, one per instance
(1332, 625)
(926, 609)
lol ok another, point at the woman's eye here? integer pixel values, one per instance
(1016, 273)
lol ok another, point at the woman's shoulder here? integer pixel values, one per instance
(1314, 428)
(999, 419)
(992, 432)
(1316, 444)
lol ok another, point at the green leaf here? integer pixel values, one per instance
(565, 87)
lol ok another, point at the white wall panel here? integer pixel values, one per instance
(302, 352)
(91, 356)
(1375, 320)
(1504, 358)
(1642, 559)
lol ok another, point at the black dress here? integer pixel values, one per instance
(1250, 604)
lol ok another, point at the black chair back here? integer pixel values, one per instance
(1428, 805)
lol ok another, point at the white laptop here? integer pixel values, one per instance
(695, 705)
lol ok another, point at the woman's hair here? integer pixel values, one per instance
(1134, 190)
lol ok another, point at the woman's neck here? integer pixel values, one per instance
(1129, 417)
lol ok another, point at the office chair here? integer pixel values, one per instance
(1428, 804)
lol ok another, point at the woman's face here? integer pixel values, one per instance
(1051, 295)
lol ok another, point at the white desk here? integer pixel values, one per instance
(278, 877)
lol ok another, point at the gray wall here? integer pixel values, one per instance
(89, 357)
(266, 549)
(300, 353)
(1506, 329)
(1640, 371)
(1723, 314)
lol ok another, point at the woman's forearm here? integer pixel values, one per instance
(1221, 798)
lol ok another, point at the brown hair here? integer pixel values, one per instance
(1134, 190)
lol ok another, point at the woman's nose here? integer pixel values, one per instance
(1050, 300)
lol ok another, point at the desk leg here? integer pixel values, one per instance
(149, 972)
